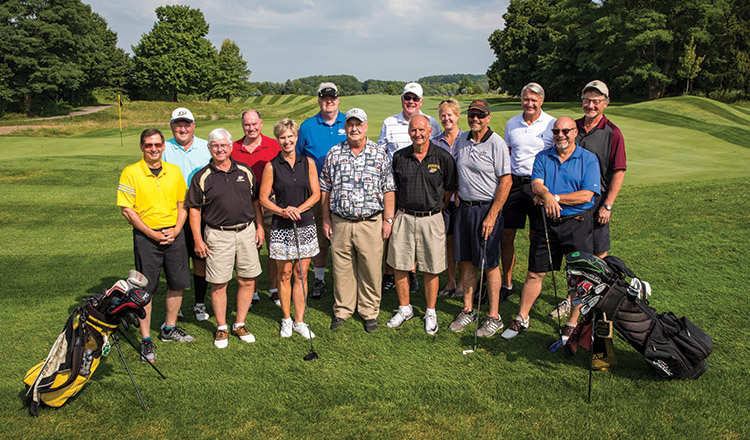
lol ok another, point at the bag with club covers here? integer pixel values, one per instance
(76, 353)
(674, 348)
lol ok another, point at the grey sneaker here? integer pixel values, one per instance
(147, 351)
(413, 282)
(174, 335)
(462, 320)
(515, 328)
(430, 324)
(562, 309)
(319, 289)
(256, 299)
(389, 282)
(180, 316)
(399, 318)
(200, 312)
(490, 326)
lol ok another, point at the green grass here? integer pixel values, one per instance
(678, 226)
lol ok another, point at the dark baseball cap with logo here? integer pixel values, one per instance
(328, 89)
(480, 105)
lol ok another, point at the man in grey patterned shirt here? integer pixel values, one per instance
(357, 191)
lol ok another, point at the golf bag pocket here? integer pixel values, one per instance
(693, 342)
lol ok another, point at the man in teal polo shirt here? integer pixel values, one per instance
(316, 137)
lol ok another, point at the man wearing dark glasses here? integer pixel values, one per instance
(564, 179)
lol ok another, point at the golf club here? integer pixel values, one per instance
(591, 358)
(557, 344)
(479, 299)
(312, 354)
(122, 358)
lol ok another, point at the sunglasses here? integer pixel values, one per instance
(412, 98)
(150, 145)
(564, 131)
(479, 115)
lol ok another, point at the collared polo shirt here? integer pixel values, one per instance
(394, 134)
(440, 140)
(357, 184)
(422, 185)
(480, 165)
(606, 141)
(316, 137)
(153, 198)
(526, 140)
(225, 198)
(257, 160)
(579, 172)
(190, 161)
(291, 186)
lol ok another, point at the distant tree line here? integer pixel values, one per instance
(641, 49)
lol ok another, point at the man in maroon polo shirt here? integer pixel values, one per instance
(256, 150)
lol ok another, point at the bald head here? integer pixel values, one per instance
(420, 131)
(564, 133)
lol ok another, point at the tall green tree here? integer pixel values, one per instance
(175, 56)
(55, 51)
(232, 74)
(690, 64)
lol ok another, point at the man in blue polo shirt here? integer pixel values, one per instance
(564, 179)
(316, 137)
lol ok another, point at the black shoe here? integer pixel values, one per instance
(371, 325)
(319, 289)
(413, 282)
(483, 290)
(337, 322)
(389, 282)
(505, 293)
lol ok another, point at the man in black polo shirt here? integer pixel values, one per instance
(224, 195)
(426, 177)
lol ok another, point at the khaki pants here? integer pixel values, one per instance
(357, 254)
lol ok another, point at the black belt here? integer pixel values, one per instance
(475, 203)
(235, 228)
(419, 213)
(359, 219)
(521, 179)
(166, 227)
(578, 217)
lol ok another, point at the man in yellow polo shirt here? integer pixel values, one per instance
(151, 195)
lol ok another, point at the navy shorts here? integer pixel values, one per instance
(449, 217)
(601, 232)
(519, 205)
(467, 235)
(572, 235)
(190, 241)
(151, 257)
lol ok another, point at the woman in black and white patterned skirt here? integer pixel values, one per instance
(293, 179)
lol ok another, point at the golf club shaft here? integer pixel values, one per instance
(552, 269)
(591, 359)
(302, 280)
(479, 297)
(122, 358)
(139, 352)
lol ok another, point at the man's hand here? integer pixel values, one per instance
(201, 249)
(488, 225)
(259, 235)
(327, 228)
(551, 206)
(387, 226)
(603, 215)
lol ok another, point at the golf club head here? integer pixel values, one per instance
(553, 347)
(311, 356)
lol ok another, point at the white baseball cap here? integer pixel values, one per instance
(356, 113)
(414, 88)
(182, 114)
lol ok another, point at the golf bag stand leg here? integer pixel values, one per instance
(591, 353)
(139, 353)
(122, 358)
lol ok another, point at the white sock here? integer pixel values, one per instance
(237, 324)
(525, 322)
(509, 287)
(286, 319)
(320, 273)
(405, 310)
(200, 305)
(222, 327)
(429, 312)
(272, 291)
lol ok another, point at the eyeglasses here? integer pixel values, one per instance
(564, 131)
(478, 115)
(412, 98)
(593, 101)
(152, 145)
(219, 146)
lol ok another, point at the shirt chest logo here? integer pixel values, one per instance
(342, 132)
(240, 178)
(433, 168)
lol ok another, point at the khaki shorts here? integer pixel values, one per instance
(226, 247)
(420, 239)
(317, 209)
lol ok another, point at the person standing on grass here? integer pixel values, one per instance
(224, 196)
(599, 135)
(190, 153)
(357, 192)
(151, 196)
(316, 137)
(449, 113)
(394, 135)
(564, 179)
(256, 150)
(483, 185)
(293, 179)
(425, 175)
(526, 135)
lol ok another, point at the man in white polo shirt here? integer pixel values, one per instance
(526, 134)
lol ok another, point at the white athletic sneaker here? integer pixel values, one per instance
(430, 324)
(302, 329)
(200, 312)
(399, 318)
(286, 328)
(563, 309)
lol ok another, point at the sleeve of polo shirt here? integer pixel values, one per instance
(617, 156)
(389, 182)
(194, 197)
(181, 189)
(435, 125)
(255, 187)
(450, 179)
(502, 157)
(383, 131)
(591, 175)
(302, 141)
(537, 172)
(126, 190)
(324, 180)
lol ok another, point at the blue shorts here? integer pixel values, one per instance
(467, 235)
(449, 217)
(601, 232)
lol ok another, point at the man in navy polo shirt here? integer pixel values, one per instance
(316, 137)
(564, 179)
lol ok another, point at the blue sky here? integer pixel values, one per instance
(379, 39)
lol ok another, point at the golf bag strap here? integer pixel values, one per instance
(611, 301)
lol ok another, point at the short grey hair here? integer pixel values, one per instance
(218, 134)
(242, 118)
(534, 88)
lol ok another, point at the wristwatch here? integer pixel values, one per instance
(388, 220)
(607, 207)
(557, 198)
